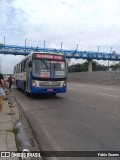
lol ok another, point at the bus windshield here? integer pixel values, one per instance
(48, 68)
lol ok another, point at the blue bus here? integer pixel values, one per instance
(41, 73)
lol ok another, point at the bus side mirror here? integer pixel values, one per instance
(30, 64)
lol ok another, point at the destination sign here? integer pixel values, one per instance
(48, 56)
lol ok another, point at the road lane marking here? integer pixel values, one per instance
(110, 95)
(108, 88)
(100, 93)
(82, 85)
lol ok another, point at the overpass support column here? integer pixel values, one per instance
(90, 65)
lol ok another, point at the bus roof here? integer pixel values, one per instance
(30, 55)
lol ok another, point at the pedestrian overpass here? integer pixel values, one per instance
(88, 55)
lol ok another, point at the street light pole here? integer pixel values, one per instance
(4, 40)
(98, 48)
(76, 47)
(111, 50)
(44, 44)
(25, 42)
(108, 60)
(61, 45)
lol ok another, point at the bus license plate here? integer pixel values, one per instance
(49, 90)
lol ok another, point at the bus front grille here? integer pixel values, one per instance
(50, 84)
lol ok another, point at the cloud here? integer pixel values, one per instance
(84, 22)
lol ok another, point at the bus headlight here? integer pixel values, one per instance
(33, 83)
(65, 83)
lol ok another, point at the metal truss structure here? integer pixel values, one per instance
(25, 50)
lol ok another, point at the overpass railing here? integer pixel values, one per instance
(25, 50)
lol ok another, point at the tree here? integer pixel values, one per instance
(115, 67)
(84, 67)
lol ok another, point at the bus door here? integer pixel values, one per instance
(27, 77)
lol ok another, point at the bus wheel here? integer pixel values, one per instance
(17, 88)
(27, 93)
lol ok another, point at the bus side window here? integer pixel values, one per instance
(19, 68)
(14, 70)
(24, 66)
(30, 63)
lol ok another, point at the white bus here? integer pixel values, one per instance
(41, 73)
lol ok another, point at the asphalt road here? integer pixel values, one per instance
(87, 118)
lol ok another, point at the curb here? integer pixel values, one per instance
(7, 137)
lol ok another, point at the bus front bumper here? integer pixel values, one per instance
(40, 90)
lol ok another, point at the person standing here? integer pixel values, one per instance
(2, 93)
(10, 78)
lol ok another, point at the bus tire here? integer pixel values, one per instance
(27, 93)
(17, 88)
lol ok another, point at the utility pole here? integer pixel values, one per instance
(111, 50)
(61, 45)
(108, 60)
(4, 40)
(98, 48)
(25, 42)
(76, 47)
(44, 44)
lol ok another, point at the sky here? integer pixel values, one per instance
(88, 23)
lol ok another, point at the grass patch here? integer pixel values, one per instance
(15, 130)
